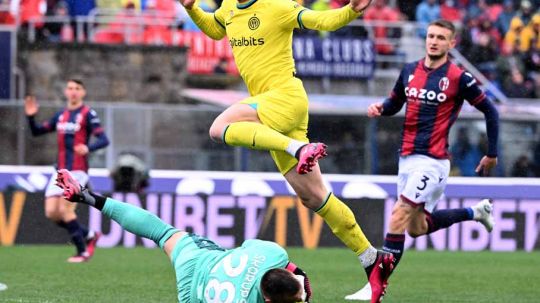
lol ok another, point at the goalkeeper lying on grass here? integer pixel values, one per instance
(257, 271)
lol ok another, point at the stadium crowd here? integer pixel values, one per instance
(500, 37)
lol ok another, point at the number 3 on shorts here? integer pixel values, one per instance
(424, 183)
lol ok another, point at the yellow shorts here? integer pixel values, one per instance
(284, 109)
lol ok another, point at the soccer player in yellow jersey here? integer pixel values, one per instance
(275, 116)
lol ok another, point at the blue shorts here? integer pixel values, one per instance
(186, 257)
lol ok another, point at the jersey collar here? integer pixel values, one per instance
(430, 70)
(245, 4)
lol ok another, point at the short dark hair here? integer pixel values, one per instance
(78, 81)
(280, 286)
(445, 24)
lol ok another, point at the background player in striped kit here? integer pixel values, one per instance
(433, 90)
(74, 125)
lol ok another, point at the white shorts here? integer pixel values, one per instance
(422, 180)
(54, 191)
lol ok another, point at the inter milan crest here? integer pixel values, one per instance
(254, 23)
(444, 83)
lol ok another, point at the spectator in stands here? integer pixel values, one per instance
(505, 17)
(483, 53)
(519, 87)
(450, 11)
(484, 8)
(380, 11)
(78, 8)
(408, 8)
(59, 31)
(531, 34)
(465, 156)
(513, 38)
(531, 37)
(485, 26)
(526, 11)
(522, 167)
(427, 12)
(475, 9)
(509, 59)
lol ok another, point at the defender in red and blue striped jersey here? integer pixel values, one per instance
(433, 90)
(74, 126)
(434, 97)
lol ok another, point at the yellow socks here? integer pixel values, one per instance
(255, 136)
(341, 221)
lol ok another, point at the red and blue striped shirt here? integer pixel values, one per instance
(434, 98)
(73, 127)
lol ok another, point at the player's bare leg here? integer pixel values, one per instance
(309, 188)
(314, 195)
(418, 225)
(235, 113)
(67, 210)
(239, 125)
(90, 237)
(52, 211)
(62, 212)
(423, 223)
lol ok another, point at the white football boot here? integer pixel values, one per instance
(363, 294)
(483, 213)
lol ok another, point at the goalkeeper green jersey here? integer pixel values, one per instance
(207, 273)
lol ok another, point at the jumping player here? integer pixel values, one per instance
(74, 125)
(258, 271)
(433, 90)
(275, 116)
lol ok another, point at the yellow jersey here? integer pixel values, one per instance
(260, 34)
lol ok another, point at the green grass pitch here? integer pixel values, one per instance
(40, 274)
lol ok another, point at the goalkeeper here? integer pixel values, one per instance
(258, 271)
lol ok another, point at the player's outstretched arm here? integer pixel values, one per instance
(492, 126)
(485, 164)
(31, 108)
(207, 22)
(333, 19)
(375, 110)
(97, 131)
